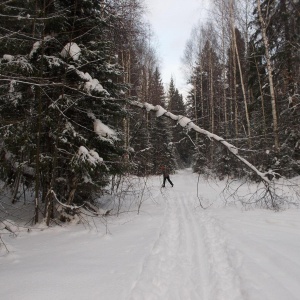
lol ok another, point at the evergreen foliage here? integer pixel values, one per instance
(161, 135)
(232, 94)
(180, 141)
(283, 40)
(60, 98)
(69, 67)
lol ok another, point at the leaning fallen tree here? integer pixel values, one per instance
(270, 198)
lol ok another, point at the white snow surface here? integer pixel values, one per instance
(172, 250)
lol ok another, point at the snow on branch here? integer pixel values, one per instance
(72, 207)
(38, 44)
(90, 84)
(72, 50)
(92, 157)
(18, 61)
(104, 132)
(187, 123)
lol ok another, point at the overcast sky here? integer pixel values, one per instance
(172, 22)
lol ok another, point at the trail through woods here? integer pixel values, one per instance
(172, 250)
(189, 259)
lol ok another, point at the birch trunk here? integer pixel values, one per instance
(224, 70)
(195, 103)
(211, 93)
(234, 92)
(240, 69)
(270, 74)
(262, 100)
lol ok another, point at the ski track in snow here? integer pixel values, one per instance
(189, 259)
(275, 264)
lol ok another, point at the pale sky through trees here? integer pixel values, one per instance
(172, 22)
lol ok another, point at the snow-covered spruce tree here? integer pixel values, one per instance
(161, 133)
(71, 97)
(131, 41)
(140, 140)
(180, 141)
(204, 103)
(274, 76)
(140, 136)
(16, 96)
(141, 120)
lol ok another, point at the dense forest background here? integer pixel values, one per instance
(70, 69)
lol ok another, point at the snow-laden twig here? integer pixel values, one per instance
(2, 243)
(199, 199)
(62, 204)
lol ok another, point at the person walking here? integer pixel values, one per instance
(166, 176)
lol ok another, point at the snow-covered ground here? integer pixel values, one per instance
(172, 250)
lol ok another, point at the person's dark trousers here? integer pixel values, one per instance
(167, 178)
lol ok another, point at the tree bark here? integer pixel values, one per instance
(240, 69)
(224, 70)
(270, 75)
(39, 126)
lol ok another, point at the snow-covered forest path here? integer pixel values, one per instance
(189, 259)
(173, 268)
(172, 250)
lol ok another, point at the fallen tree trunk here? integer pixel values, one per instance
(185, 122)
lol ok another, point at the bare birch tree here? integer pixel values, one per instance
(263, 24)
